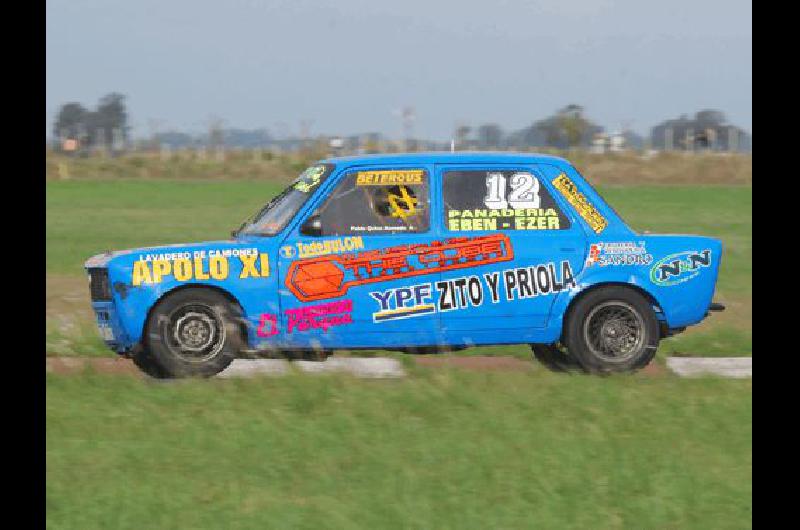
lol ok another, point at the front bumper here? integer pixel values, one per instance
(109, 327)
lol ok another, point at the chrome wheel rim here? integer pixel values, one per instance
(614, 331)
(195, 333)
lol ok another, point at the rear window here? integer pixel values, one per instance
(499, 199)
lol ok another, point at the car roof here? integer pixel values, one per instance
(470, 157)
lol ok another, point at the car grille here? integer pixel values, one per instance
(98, 285)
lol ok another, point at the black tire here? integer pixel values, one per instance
(612, 329)
(555, 357)
(144, 362)
(316, 355)
(191, 333)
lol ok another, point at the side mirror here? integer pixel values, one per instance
(312, 227)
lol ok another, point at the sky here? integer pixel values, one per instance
(349, 66)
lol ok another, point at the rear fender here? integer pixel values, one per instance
(589, 281)
(679, 278)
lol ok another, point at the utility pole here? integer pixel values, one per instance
(408, 126)
(216, 139)
(733, 139)
(117, 141)
(282, 134)
(305, 128)
(153, 126)
(100, 141)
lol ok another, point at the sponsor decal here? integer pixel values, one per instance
(618, 253)
(403, 302)
(390, 177)
(331, 276)
(268, 325)
(380, 228)
(679, 267)
(499, 200)
(504, 219)
(472, 290)
(581, 204)
(106, 332)
(460, 293)
(539, 280)
(214, 264)
(309, 179)
(323, 248)
(320, 316)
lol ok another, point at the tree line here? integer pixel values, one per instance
(106, 125)
(77, 128)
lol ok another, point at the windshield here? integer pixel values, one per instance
(273, 217)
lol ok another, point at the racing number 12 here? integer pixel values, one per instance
(524, 191)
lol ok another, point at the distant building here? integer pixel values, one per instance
(708, 130)
(615, 142)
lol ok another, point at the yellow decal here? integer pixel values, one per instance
(580, 203)
(403, 205)
(393, 177)
(330, 246)
(181, 269)
(218, 267)
(503, 219)
(249, 267)
(141, 273)
(200, 265)
(309, 179)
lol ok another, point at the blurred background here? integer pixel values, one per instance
(171, 122)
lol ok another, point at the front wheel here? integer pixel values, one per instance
(612, 329)
(191, 333)
(555, 357)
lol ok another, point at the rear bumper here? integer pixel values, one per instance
(667, 331)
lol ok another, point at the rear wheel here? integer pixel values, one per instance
(191, 333)
(612, 329)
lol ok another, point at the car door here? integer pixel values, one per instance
(355, 270)
(546, 248)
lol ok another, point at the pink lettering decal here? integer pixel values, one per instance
(322, 316)
(268, 326)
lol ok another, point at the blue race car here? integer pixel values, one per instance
(418, 253)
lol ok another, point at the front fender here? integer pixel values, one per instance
(136, 289)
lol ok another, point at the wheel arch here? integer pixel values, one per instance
(659, 310)
(225, 293)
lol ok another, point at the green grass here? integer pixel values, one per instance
(75, 339)
(443, 449)
(717, 211)
(85, 217)
(89, 217)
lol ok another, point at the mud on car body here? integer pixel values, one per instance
(420, 253)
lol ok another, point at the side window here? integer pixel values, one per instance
(379, 201)
(499, 200)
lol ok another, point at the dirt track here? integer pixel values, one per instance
(121, 366)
